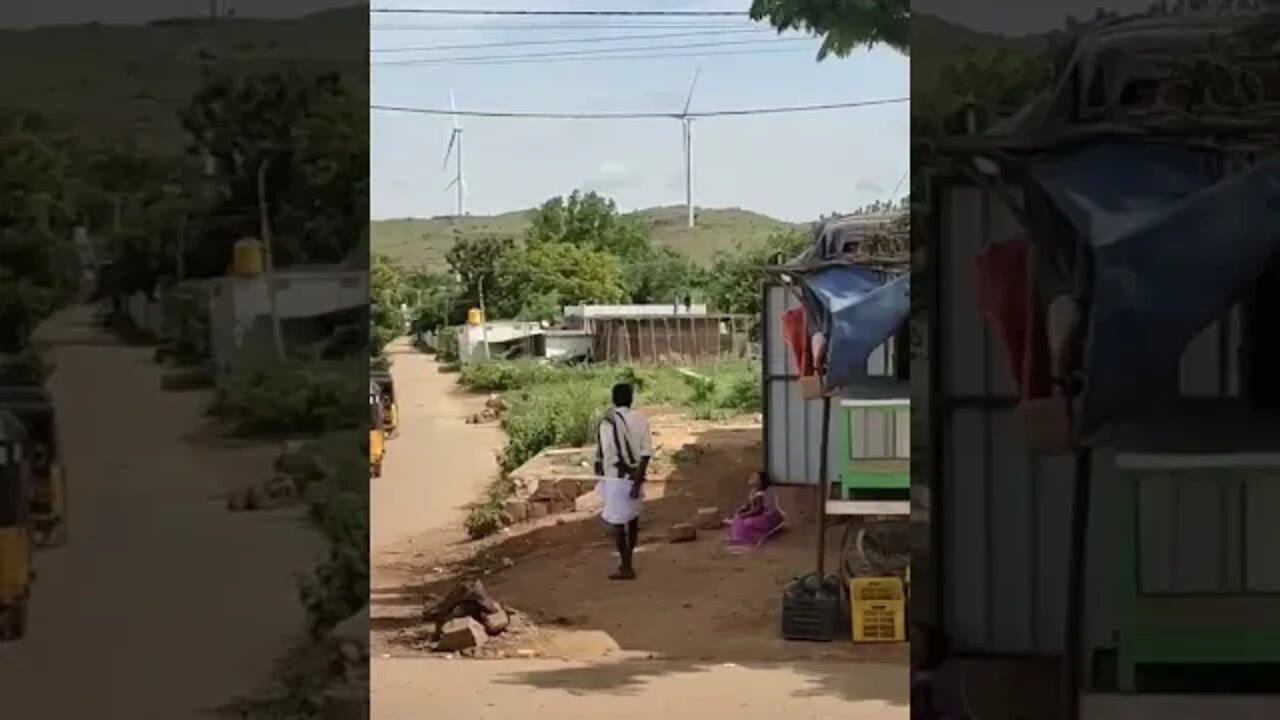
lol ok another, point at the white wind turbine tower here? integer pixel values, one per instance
(459, 183)
(687, 122)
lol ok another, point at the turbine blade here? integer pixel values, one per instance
(451, 184)
(453, 137)
(689, 100)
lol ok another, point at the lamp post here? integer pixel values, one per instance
(268, 262)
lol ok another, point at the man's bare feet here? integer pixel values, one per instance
(623, 574)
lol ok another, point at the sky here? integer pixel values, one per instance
(794, 167)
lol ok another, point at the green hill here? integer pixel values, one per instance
(118, 82)
(423, 242)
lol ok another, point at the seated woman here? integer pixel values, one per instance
(759, 518)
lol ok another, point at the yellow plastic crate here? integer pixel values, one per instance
(879, 610)
(876, 588)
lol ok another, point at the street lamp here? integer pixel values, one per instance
(268, 263)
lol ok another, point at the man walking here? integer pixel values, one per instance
(623, 448)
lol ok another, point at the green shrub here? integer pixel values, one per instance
(561, 415)
(743, 393)
(503, 376)
(295, 397)
(447, 345)
(490, 515)
(339, 586)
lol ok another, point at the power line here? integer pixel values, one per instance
(637, 56)
(641, 116)
(559, 13)
(489, 27)
(589, 53)
(597, 39)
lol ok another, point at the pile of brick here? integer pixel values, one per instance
(466, 619)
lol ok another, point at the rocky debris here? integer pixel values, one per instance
(246, 498)
(517, 510)
(297, 458)
(282, 487)
(682, 533)
(496, 623)
(466, 618)
(708, 518)
(494, 408)
(278, 489)
(461, 634)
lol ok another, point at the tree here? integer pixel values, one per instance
(733, 282)
(432, 299)
(843, 24)
(474, 262)
(659, 275)
(996, 79)
(386, 293)
(34, 220)
(535, 281)
(587, 221)
(306, 133)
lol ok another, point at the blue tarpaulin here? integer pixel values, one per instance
(858, 310)
(1173, 242)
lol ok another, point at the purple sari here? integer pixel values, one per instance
(753, 524)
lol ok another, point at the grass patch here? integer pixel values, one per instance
(555, 406)
(294, 398)
(488, 516)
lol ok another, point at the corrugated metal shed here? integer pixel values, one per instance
(1000, 526)
(792, 424)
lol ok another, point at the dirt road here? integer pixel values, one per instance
(163, 604)
(528, 689)
(437, 466)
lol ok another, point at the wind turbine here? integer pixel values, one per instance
(687, 122)
(455, 141)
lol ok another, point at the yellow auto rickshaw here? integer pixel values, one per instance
(33, 406)
(390, 408)
(377, 446)
(15, 528)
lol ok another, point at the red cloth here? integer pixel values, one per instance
(1006, 290)
(795, 333)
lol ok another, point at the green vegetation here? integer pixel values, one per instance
(550, 406)
(414, 242)
(338, 587)
(843, 26)
(293, 398)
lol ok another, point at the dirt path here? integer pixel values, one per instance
(525, 690)
(437, 466)
(163, 604)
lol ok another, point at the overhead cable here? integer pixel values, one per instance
(639, 116)
(591, 52)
